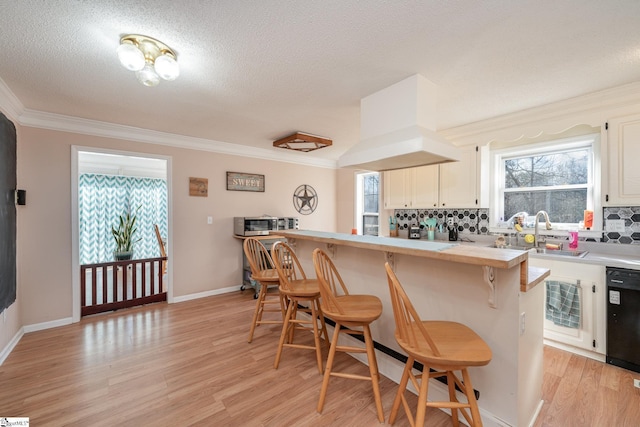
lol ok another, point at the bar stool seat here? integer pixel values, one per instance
(299, 290)
(440, 345)
(351, 312)
(367, 307)
(263, 272)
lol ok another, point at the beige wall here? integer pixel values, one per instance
(346, 195)
(203, 257)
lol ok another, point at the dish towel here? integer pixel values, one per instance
(563, 304)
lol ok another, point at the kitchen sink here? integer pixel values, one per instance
(577, 254)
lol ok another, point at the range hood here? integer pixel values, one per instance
(397, 129)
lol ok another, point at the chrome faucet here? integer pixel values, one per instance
(547, 225)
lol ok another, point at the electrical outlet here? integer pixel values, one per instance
(209, 220)
(450, 221)
(636, 383)
(614, 225)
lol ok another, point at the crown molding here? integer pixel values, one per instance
(58, 122)
(592, 109)
(10, 105)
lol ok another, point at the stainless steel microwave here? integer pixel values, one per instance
(288, 223)
(254, 226)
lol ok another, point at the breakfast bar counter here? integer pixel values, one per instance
(492, 291)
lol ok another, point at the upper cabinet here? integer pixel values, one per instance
(398, 188)
(454, 185)
(425, 193)
(623, 173)
(411, 188)
(459, 181)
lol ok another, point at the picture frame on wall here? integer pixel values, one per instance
(198, 187)
(240, 181)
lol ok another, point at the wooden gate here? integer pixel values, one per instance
(110, 286)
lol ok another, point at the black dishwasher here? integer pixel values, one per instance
(623, 318)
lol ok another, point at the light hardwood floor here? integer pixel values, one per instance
(190, 364)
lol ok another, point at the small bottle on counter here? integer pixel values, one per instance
(588, 219)
(573, 240)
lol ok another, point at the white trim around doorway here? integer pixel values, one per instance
(75, 224)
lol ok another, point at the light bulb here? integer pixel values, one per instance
(130, 56)
(167, 67)
(147, 76)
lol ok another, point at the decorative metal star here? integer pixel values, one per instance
(305, 199)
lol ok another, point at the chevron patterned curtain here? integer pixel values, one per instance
(102, 198)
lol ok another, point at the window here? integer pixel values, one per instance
(556, 177)
(368, 203)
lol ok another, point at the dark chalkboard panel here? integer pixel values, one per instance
(7, 212)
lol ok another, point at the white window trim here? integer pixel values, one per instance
(359, 211)
(593, 197)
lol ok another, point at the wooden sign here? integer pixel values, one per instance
(198, 187)
(238, 181)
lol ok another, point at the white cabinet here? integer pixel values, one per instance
(452, 185)
(393, 187)
(459, 181)
(589, 339)
(623, 140)
(411, 188)
(425, 193)
(397, 187)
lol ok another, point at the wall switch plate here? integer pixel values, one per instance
(209, 220)
(523, 317)
(636, 383)
(614, 225)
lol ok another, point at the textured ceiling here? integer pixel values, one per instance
(254, 71)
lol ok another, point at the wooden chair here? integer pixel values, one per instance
(440, 345)
(353, 312)
(163, 249)
(298, 290)
(263, 272)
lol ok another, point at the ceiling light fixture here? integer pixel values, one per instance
(302, 142)
(149, 58)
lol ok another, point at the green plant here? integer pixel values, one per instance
(125, 231)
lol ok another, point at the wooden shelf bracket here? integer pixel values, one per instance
(332, 248)
(489, 278)
(390, 258)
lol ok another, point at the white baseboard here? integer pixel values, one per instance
(579, 351)
(206, 294)
(47, 325)
(535, 415)
(11, 345)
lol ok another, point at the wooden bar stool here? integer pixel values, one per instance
(263, 272)
(441, 345)
(295, 286)
(350, 311)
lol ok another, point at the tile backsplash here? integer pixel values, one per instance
(631, 233)
(476, 221)
(468, 221)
